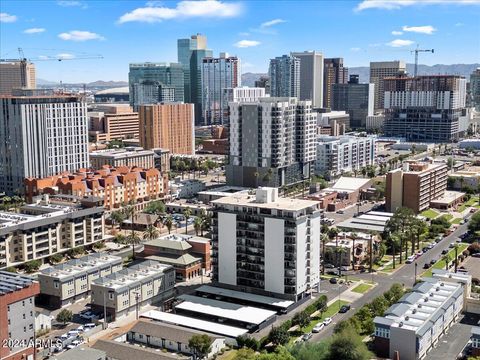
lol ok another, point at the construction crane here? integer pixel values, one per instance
(416, 51)
(50, 58)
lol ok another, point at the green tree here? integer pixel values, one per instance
(133, 239)
(394, 294)
(155, 207)
(365, 318)
(301, 319)
(245, 354)
(130, 212)
(474, 224)
(32, 266)
(278, 336)
(321, 304)
(311, 351)
(280, 353)
(55, 258)
(201, 345)
(187, 212)
(64, 316)
(348, 345)
(150, 233)
(400, 224)
(120, 239)
(168, 222)
(117, 217)
(197, 225)
(248, 342)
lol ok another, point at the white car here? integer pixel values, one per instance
(317, 328)
(327, 321)
(64, 337)
(81, 328)
(410, 259)
(89, 326)
(73, 333)
(87, 315)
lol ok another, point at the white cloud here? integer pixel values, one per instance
(459, 24)
(272, 23)
(394, 32)
(399, 43)
(398, 4)
(244, 34)
(184, 9)
(77, 35)
(427, 29)
(34, 31)
(7, 18)
(71, 3)
(355, 49)
(246, 43)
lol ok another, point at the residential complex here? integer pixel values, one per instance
(379, 71)
(50, 226)
(311, 77)
(66, 283)
(240, 94)
(337, 155)
(284, 74)
(333, 73)
(113, 122)
(114, 187)
(148, 282)
(19, 74)
(152, 83)
(475, 88)
(415, 324)
(17, 315)
(168, 126)
(354, 98)
(41, 135)
(273, 138)
(425, 108)
(128, 156)
(415, 185)
(218, 74)
(265, 244)
(186, 253)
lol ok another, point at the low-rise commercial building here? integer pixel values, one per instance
(153, 334)
(50, 226)
(186, 253)
(186, 189)
(68, 282)
(266, 244)
(336, 155)
(464, 179)
(129, 156)
(17, 316)
(349, 249)
(415, 186)
(415, 324)
(115, 186)
(148, 282)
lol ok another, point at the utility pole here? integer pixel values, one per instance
(416, 51)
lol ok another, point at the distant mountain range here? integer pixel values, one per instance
(248, 79)
(95, 84)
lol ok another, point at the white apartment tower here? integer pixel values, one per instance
(41, 135)
(218, 74)
(311, 77)
(380, 70)
(272, 142)
(266, 245)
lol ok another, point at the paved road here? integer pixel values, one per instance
(405, 275)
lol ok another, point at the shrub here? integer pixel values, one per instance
(55, 258)
(32, 266)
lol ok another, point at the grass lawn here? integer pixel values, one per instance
(448, 217)
(331, 310)
(472, 202)
(229, 355)
(456, 221)
(441, 263)
(362, 288)
(431, 214)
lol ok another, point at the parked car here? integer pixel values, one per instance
(427, 266)
(317, 328)
(87, 315)
(410, 259)
(433, 261)
(73, 333)
(344, 309)
(476, 255)
(327, 321)
(444, 251)
(425, 249)
(431, 245)
(340, 211)
(81, 328)
(333, 280)
(89, 326)
(451, 245)
(307, 337)
(419, 253)
(329, 266)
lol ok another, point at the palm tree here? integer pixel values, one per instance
(150, 233)
(446, 258)
(340, 251)
(197, 224)
(133, 239)
(354, 236)
(168, 222)
(323, 239)
(206, 222)
(129, 212)
(187, 212)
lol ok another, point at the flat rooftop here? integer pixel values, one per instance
(224, 191)
(10, 282)
(448, 197)
(349, 184)
(226, 310)
(266, 300)
(370, 221)
(281, 203)
(192, 323)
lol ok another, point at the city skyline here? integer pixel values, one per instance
(137, 31)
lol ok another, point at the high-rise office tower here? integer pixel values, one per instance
(149, 79)
(16, 75)
(356, 99)
(284, 73)
(272, 142)
(475, 88)
(41, 134)
(263, 82)
(191, 53)
(168, 126)
(218, 74)
(333, 73)
(425, 108)
(311, 77)
(266, 244)
(185, 47)
(379, 71)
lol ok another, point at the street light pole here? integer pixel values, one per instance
(415, 273)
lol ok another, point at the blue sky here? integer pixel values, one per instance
(135, 31)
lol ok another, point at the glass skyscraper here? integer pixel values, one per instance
(284, 72)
